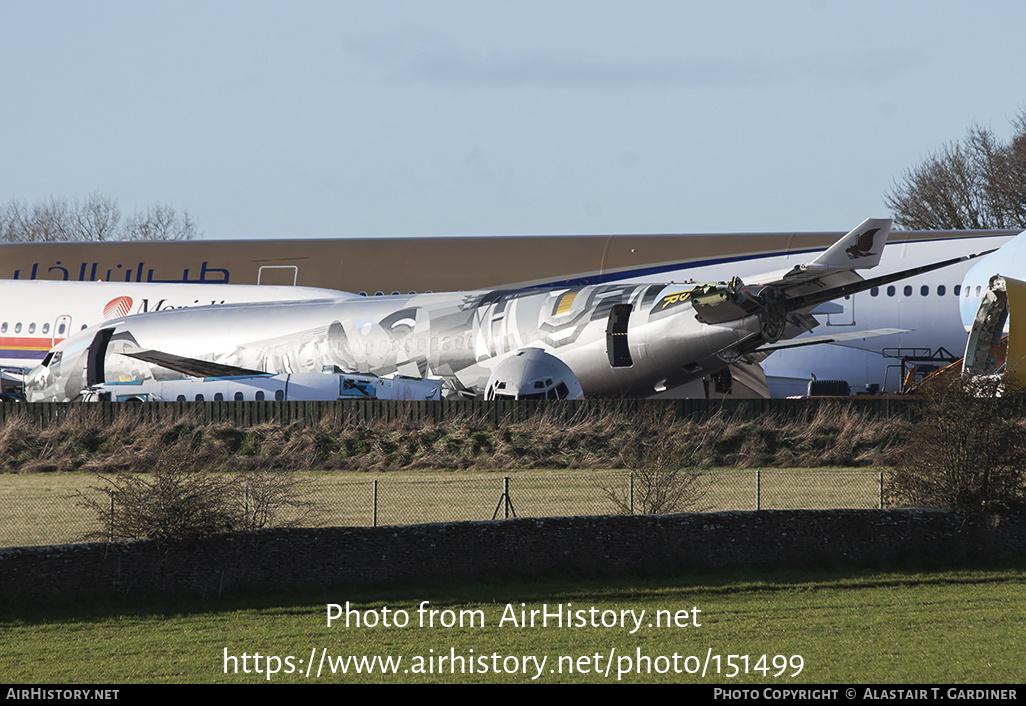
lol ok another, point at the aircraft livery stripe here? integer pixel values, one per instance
(13, 347)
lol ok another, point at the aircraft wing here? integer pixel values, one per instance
(189, 366)
(830, 338)
(783, 301)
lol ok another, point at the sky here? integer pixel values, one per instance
(451, 117)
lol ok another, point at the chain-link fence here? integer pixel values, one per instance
(33, 516)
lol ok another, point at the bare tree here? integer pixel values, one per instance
(97, 218)
(160, 222)
(975, 184)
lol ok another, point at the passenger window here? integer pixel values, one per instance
(32, 328)
(941, 289)
(17, 327)
(908, 290)
(238, 397)
(60, 329)
(218, 397)
(891, 290)
(180, 398)
(958, 289)
(875, 291)
(199, 398)
(3, 327)
(260, 395)
(279, 395)
(924, 291)
(46, 328)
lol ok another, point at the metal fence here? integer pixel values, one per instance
(36, 514)
(494, 411)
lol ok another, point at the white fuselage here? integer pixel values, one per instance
(35, 315)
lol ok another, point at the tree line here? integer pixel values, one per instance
(974, 184)
(95, 218)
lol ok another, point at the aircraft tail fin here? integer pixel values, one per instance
(860, 249)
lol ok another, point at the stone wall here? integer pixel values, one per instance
(470, 551)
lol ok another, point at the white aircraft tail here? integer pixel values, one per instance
(860, 249)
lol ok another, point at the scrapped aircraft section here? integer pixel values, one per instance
(982, 354)
(631, 340)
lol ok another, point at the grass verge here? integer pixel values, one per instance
(847, 627)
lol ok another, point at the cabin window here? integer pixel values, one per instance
(17, 327)
(199, 398)
(979, 290)
(908, 290)
(60, 330)
(180, 398)
(941, 290)
(891, 290)
(875, 291)
(924, 291)
(46, 328)
(218, 397)
(32, 328)
(238, 397)
(958, 289)
(260, 395)
(279, 395)
(3, 327)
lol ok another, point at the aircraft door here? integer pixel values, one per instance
(61, 330)
(616, 336)
(281, 275)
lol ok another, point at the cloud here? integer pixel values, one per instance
(450, 67)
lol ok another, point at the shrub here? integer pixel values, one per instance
(664, 477)
(174, 501)
(968, 450)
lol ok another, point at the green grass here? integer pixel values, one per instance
(868, 627)
(44, 508)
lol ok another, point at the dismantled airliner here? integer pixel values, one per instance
(552, 342)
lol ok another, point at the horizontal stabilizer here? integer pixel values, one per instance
(189, 366)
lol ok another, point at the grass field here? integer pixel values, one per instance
(962, 627)
(44, 508)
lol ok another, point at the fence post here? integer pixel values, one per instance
(505, 492)
(881, 490)
(374, 517)
(631, 490)
(110, 525)
(758, 490)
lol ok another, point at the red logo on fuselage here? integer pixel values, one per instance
(116, 308)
